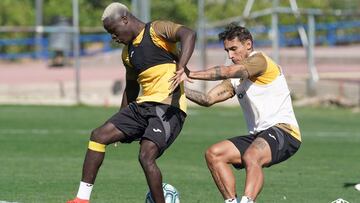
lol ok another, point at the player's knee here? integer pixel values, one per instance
(250, 159)
(149, 151)
(95, 143)
(212, 155)
(95, 135)
(145, 159)
(98, 136)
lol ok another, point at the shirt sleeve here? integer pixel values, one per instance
(255, 65)
(166, 29)
(235, 82)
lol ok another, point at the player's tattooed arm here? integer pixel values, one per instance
(197, 97)
(219, 93)
(220, 73)
(252, 66)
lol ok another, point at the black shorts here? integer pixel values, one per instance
(282, 144)
(160, 123)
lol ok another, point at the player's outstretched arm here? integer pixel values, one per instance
(252, 66)
(220, 73)
(219, 93)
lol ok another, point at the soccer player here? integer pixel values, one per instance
(156, 117)
(260, 86)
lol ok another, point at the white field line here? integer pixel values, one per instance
(42, 131)
(11, 131)
(1, 201)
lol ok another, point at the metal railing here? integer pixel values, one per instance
(327, 34)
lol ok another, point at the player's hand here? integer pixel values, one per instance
(180, 76)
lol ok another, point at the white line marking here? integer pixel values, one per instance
(1, 201)
(234, 131)
(42, 131)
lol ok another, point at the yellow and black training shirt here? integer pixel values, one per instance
(151, 60)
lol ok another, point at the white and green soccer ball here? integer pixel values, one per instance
(170, 193)
(357, 187)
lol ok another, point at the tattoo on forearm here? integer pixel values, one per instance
(217, 74)
(197, 97)
(214, 73)
(222, 92)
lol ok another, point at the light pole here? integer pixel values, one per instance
(76, 47)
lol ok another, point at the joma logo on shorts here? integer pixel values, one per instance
(157, 130)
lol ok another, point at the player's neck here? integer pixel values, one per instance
(138, 27)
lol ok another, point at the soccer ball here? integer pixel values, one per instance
(170, 193)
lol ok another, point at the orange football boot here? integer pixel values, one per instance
(78, 200)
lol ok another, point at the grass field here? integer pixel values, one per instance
(42, 150)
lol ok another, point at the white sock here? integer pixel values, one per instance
(245, 199)
(234, 200)
(84, 190)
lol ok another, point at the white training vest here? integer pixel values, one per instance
(265, 105)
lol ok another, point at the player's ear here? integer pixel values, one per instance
(248, 44)
(125, 19)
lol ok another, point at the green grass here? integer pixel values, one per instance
(42, 150)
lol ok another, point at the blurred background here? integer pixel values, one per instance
(57, 52)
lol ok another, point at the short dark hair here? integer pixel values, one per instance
(234, 30)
